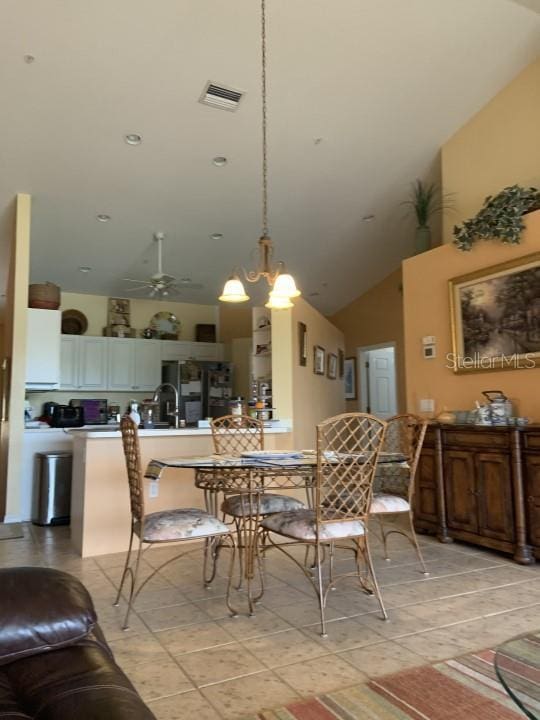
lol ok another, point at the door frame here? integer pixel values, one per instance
(361, 353)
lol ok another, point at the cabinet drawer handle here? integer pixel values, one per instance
(531, 499)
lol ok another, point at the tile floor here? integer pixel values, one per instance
(188, 658)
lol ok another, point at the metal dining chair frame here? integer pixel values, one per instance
(405, 435)
(348, 447)
(132, 453)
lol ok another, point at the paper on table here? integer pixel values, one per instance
(193, 410)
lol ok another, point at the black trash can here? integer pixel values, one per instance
(52, 494)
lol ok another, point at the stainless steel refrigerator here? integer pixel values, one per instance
(204, 389)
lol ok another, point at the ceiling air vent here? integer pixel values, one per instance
(222, 97)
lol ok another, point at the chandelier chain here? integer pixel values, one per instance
(264, 116)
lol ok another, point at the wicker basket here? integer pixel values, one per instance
(44, 295)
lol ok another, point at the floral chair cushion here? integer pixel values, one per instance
(300, 525)
(244, 505)
(384, 503)
(182, 524)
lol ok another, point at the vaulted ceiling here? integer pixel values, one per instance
(361, 95)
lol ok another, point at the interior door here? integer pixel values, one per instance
(379, 367)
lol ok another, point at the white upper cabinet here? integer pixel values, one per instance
(207, 351)
(69, 362)
(184, 350)
(123, 364)
(134, 364)
(147, 356)
(175, 349)
(84, 363)
(42, 349)
(120, 351)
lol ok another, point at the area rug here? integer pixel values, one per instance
(11, 531)
(464, 688)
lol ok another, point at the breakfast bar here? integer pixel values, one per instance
(100, 517)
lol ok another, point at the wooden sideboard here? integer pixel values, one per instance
(481, 485)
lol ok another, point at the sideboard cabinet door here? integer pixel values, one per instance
(494, 496)
(532, 497)
(425, 494)
(460, 490)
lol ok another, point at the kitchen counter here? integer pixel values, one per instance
(105, 431)
(100, 517)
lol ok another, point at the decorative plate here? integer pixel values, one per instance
(165, 325)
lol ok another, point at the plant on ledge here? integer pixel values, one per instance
(425, 201)
(501, 217)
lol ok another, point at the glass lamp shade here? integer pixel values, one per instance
(278, 302)
(285, 286)
(233, 291)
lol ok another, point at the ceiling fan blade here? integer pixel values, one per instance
(189, 286)
(141, 287)
(135, 281)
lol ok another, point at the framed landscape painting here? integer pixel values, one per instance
(495, 315)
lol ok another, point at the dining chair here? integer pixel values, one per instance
(164, 526)
(395, 483)
(233, 435)
(348, 446)
(245, 494)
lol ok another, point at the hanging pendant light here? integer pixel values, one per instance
(283, 285)
(233, 291)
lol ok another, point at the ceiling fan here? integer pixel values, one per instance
(161, 284)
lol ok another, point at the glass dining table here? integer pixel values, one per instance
(252, 474)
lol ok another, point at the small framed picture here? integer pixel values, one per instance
(350, 378)
(302, 344)
(341, 360)
(319, 358)
(331, 370)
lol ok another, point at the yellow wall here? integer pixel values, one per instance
(16, 308)
(95, 309)
(499, 146)
(374, 318)
(297, 390)
(427, 312)
(234, 321)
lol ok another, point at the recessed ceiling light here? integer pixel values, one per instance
(216, 236)
(368, 218)
(84, 269)
(133, 139)
(219, 161)
(103, 217)
(29, 59)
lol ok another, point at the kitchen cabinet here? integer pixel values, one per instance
(83, 363)
(184, 350)
(134, 364)
(486, 483)
(42, 349)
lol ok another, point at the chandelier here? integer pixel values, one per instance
(283, 286)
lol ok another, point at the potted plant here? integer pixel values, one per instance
(425, 201)
(500, 217)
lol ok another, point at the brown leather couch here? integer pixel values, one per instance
(54, 660)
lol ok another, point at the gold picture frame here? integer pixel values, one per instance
(332, 366)
(319, 360)
(495, 317)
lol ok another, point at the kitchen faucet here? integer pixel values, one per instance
(157, 397)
